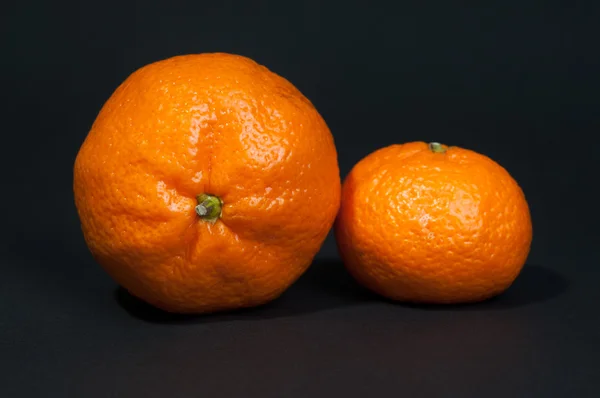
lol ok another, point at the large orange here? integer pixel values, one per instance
(206, 183)
(433, 224)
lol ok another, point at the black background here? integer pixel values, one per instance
(516, 81)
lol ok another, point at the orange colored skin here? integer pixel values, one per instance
(218, 124)
(427, 227)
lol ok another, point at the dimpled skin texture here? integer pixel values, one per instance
(425, 227)
(208, 123)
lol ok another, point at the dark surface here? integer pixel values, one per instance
(515, 82)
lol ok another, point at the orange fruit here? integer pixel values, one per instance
(206, 183)
(432, 224)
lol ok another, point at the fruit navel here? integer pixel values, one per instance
(209, 207)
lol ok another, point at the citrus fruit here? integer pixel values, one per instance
(432, 224)
(206, 183)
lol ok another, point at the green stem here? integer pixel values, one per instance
(436, 147)
(209, 207)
